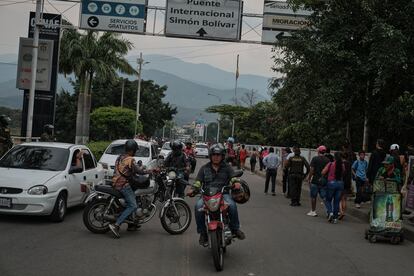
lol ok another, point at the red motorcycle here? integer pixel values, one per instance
(217, 221)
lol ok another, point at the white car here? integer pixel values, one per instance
(146, 153)
(43, 179)
(201, 150)
(165, 150)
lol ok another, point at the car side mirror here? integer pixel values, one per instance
(74, 170)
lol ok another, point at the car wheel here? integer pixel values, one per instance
(59, 211)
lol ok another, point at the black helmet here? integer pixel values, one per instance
(188, 143)
(241, 194)
(176, 146)
(217, 149)
(4, 120)
(131, 146)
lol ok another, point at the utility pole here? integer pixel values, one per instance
(140, 62)
(122, 93)
(235, 93)
(29, 127)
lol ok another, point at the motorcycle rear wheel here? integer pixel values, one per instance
(217, 249)
(93, 216)
(170, 217)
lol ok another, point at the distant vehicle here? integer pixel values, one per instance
(42, 179)
(166, 149)
(201, 150)
(146, 153)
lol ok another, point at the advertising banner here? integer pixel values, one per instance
(387, 211)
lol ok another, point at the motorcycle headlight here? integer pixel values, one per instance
(213, 204)
(37, 190)
(172, 175)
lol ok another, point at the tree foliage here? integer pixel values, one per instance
(110, 123)
(355, 61)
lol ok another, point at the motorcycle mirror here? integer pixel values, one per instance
(238, 173)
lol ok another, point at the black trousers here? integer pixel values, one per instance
(285, 180)
(270, 174)
(295, 187)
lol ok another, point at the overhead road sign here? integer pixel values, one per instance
(278, 17)
(124, 16)
(215, 19)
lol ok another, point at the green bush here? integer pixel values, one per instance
(98, 148)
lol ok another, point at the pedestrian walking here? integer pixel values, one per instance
(359, 172)
(272, 163)
(375, 161)
(348, 160)
(263, 154)
(285, 154)
(254, 155)
(317, 185)
(243, 156)
(296, 166)
(335, 171)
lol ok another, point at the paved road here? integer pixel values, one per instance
(281, 240)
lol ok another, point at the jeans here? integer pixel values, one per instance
(285, 180)
(232, 211)
(316, 189)
(270, 174)
(360, 195)
(333, 194)
(252, 166)
(131, 203)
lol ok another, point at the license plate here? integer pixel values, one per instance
(5, 202)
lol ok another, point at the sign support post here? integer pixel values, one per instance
(39, 4)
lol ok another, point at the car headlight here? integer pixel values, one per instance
(172, 175)
(37, 190)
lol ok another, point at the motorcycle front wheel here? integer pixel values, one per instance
(217, 249)
(176, 217)
(93, 216)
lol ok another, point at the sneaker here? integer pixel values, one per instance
(330, 217)
(335, 221)
(358, 206)
(266, 193)
(115, 230)
(312, 214)
(239, 234)
(273, 194)
(203, 241)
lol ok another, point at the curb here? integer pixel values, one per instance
(359, 214)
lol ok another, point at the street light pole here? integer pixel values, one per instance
(29, 124)
(140, 62)
(218, 120)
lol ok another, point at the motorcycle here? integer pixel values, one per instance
(105, 204)
(217, 221)
(193, 162)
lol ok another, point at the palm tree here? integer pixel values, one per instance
(88, 56)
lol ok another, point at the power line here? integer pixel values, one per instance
(8, 63)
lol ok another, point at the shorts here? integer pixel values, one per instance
(316, 189)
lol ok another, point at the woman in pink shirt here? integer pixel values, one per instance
(335, 171)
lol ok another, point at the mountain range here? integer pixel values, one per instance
(189, 85)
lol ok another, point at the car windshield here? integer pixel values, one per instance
(166, 146)
(36, 158)
(201, 146)
(118, 149)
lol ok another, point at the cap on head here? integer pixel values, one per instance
(389, 160)
(321, 149)
(394, 147)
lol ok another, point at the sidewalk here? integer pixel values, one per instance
(361, 214)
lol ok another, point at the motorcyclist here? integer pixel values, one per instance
(47, 135)
(216, 173)
(178, 160)
(125, 166)
(5, 140)
(189, 151)
(230, 154)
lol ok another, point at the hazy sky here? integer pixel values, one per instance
(254, 58)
